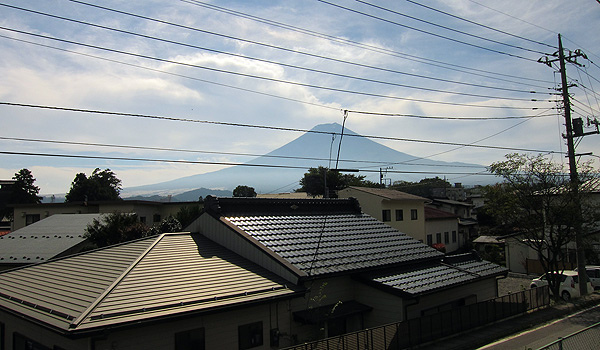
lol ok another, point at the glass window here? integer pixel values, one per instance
(453, 236)
(386, 215)
(190, 340)
(21, 342)
(429, 239)
(446, 237)
(250, 335)
(399, 215)
(31, 218)
(438, 237)
(413, 214)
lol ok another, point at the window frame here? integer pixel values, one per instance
(414, 214)
(399, 214)
(386, 215)
(251, 329)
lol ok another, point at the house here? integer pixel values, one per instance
(55, 236)
(171, 291)
(403, 211)
(6, 189)
(148, 212)
(467, 222)
(328, 245)
(254, 273)
(442, 229)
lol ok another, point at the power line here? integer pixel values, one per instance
(426, 32)
(448, 28)
(156, 117)
(253, 76)
(150, 148)
(481, 25)
(171, 73)
(179, 161)
(451, 118)
(313, 70)
(436, 63)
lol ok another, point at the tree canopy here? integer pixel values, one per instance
(535, 202)
(24, 191)
(101, 185)
(423, 188)
(244, 191)
(313, 182)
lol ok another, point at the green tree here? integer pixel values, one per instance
(115, 228)
(170, 224)
(534, 201)
(24, 191)
(313, 182)
(101, 185)
(244, 191)
(423, 188)
(187, 214)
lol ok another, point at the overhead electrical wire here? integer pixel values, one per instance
(426, 32)
(157, 117)
(179, 161)
(448, 28)
(480, 25)
(313, 70)
(253, 76)
(150, 148)
(440, 64)
(273, 95)
(172, 74)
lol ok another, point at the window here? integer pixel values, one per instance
(21, 342)
(399, 215)
(453, 236)
(429, 239)
(143, 219)
(446, 237)
(31, 218)
(156, 218)
(413, 214)
(250, 335)
(190, 340)
(386, 215)
(438, 237)
(2, 341)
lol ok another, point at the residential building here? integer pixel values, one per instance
(257, 273)
(148, 212)
(467, 222)
(442, 230)
(403, 211)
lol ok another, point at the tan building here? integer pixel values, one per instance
(403, 211)
(148, 212)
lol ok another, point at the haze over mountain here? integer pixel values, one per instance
(312, 150)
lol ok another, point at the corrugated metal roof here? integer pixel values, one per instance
(157, 276)
(320, 244)
(435, 275)
(44, 239)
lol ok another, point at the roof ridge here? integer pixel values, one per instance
(107, 291)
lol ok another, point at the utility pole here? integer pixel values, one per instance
(574, 179)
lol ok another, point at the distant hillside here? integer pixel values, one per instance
(357, 152)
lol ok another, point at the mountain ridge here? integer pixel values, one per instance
(281, 169)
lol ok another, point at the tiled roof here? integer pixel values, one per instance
(166, 275)
(389, 194)
(320, 244)
(434, 276)
(44, 239)
(320, 236)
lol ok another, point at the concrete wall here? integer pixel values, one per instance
(433, 227)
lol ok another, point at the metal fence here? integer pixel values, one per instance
(587, 338)
(402, 335)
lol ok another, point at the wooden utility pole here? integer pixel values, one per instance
(574, 178)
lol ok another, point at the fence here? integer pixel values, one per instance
(587, 338)
(402, 335)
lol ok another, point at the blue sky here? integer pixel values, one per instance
(227, 61)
